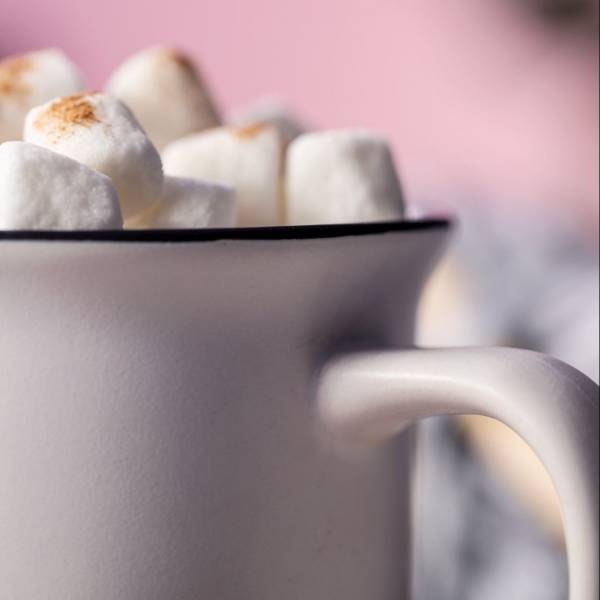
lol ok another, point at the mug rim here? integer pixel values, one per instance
(278, 232)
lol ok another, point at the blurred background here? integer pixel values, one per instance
(492, 110)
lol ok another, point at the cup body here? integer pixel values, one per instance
(158, 437)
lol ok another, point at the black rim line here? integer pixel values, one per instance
(290, 232)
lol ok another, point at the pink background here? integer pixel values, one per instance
(479, 99)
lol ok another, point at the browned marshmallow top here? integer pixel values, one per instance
(248, 132)
(66, 112)
(11, 76)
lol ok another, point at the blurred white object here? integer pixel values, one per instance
(30, 79)
(166, 92)
(517, 279)
(341, 176)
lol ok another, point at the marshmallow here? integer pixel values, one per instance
(341, 177)
(188, 203)
(247, 158)
(31, 79)
(40, 189)
(100, 131)
(166, 93)
(269, 110)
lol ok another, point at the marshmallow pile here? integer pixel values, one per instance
(152, 152)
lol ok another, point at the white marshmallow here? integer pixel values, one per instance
(341, 177)
(31, 79)
(248, 158)
(272, 111)
(166, 93)
(100, 131)
(40, 189)
(187, 204)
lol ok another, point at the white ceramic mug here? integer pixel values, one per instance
(223, 414)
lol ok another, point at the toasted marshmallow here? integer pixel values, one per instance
(188, 204)
(100, 131)
(41, 189)
(166, 93)
(341, 177)
(272, 111)
(31, 79)
(247, 158)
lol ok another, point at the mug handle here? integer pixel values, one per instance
(365, 398)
